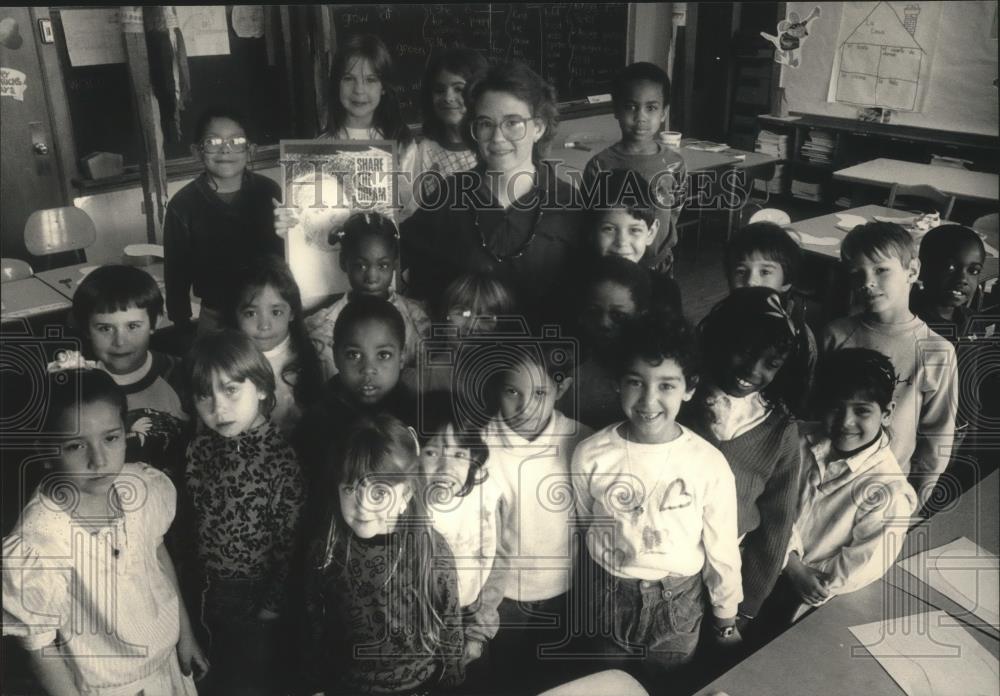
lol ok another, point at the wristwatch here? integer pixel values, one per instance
(725, 631)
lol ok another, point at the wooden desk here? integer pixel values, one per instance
(819, 655)
(961, 183)
(29, 297)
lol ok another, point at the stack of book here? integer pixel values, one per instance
(772, 144)
(818, 147)
(807, 190)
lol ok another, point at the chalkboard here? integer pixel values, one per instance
(103, 112)
(578, 47)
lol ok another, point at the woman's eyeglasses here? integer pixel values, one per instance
(214, 146)
(513, 128)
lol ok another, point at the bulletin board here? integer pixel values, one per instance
(961, 92)
(103, 112)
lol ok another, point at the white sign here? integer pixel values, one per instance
(13, 83)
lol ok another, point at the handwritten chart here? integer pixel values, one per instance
(884, 54)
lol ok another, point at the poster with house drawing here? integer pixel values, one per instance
(884, 54)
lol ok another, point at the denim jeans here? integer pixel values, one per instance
(655, 620)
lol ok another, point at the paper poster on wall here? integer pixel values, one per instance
(884, 54)
(93, 37)
(205, 30)
(325, 182)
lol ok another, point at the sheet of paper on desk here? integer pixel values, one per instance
(806, 238)
(965, 573)
(930, 654)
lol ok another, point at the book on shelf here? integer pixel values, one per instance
(807, 190)
(772, 144)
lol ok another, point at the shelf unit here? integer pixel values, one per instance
(857, 141)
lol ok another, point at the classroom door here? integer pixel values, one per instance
(28, 169)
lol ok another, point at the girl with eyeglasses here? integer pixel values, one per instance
(510, 216)
(219, 222)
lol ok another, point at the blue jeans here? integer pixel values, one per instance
(655, 620)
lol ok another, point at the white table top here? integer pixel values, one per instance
(819, 655)
(961, 183)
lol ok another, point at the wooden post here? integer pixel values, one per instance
(152, 169)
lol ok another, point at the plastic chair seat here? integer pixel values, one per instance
(57, 230)
(14, 269)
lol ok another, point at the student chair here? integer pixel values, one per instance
(778, 217)
(917, 197)
(14, 269)
(58, 230)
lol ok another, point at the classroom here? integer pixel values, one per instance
(500, 349)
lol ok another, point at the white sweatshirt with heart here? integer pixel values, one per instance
(653, 511)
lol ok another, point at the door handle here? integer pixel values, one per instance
(38, 138)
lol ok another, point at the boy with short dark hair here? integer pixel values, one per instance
(116, 308)
(882, 267)
(641, 95)
(763, 254)
(659, 503)
(625, 225)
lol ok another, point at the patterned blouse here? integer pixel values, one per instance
(361, 615)
(248, 493)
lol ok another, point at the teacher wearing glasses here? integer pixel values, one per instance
(510, 216)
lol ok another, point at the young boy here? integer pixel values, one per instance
(369, 339)
(116, 309)
(659, 504)
(530, 446)
(951, 261)
(853, 495)
(882, 268)
(641, 94)
(763, 254)
(625, 225)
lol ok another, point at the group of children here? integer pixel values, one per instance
(390, 498)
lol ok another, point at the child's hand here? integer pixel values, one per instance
(810, 583)
(267, 615)
(473, 651)
(192, 660)
(284, 219)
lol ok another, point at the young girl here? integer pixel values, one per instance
(853, 495)
(465, 508)
(369, 254)
(218, 222)
(613, 291)
(266, 306)
(444, 149)
(247, 491)
(366, 107)
(381, 589)
(746, 341)
(88, 585)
